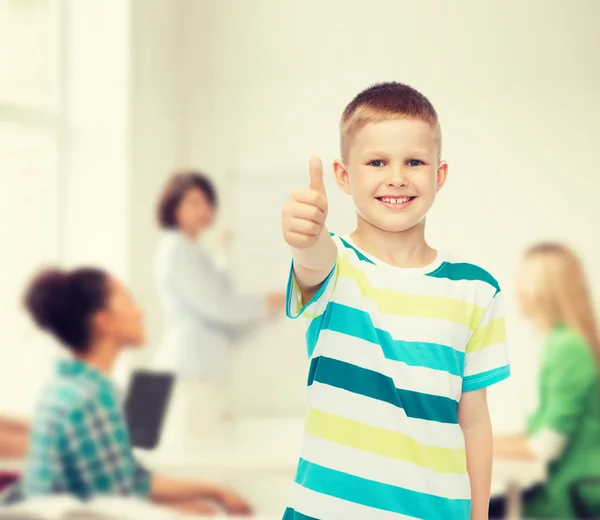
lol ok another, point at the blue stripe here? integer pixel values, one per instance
(359, 255)
(312, 333)
(464, 271)
(378, 386)
(380, 496)
(485, 379)
(291, 514)
(358, 324)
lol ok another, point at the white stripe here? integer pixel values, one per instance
(406, 328)
(488, 358)
(384, 469)
(294, 303)
(423, 285)
(325, 507)
(494, 310)
(370, 356)
(383, 415)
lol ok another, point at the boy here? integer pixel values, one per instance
(402, 339)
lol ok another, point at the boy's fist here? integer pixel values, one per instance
(304, 213)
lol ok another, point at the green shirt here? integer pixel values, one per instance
(569, 404)
(79, 441)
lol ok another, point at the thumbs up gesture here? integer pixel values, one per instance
(304, 213)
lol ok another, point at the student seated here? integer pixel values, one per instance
(79, 440)
(564, 429)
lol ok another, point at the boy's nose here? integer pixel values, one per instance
(397, 177)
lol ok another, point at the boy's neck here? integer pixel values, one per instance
(407, 249)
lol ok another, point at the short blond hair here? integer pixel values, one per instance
(384, 102)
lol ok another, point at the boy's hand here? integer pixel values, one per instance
(304, 213)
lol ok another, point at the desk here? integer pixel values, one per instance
(265, 475)
(522, 473)
(12, 465)
(117, 508)
(512, 477)
(259, 457)
(223, 458)
(264, 471)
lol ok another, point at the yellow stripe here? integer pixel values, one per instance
(491, 334)
(384, 442)
(394, 302)
(298, 300)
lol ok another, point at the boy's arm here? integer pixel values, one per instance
(303, 224)
(474, 419)
(312, 265)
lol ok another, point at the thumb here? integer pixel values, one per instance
(315, 167)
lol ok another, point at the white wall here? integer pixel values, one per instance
(122, 100)
(119, 101)
(87, 200)
(155, 145)
(95, 180)
(516, 88)
(215, 85)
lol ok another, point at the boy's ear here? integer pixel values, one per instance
(341, 176)
(441, 175)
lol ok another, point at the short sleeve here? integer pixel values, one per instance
(316, 306)
(570, 374)
(486, 355)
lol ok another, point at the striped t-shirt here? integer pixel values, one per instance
(391, 350)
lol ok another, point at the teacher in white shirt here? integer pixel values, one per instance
(203, 313)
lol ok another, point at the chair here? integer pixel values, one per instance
(7, 478)
(582, 507)
(11, 493)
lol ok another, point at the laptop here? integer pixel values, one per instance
(146, 405)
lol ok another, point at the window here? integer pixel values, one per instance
(29, 53)
(30, 145)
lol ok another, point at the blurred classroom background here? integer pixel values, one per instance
(101, 100)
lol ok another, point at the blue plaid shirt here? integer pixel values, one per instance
(79, 442)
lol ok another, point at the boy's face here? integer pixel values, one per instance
(393, 173)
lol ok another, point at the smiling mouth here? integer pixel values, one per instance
(395, 200)
(396, 203)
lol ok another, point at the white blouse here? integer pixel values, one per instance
(202, 312)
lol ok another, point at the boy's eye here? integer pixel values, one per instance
(414, 162)
(377, 163)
